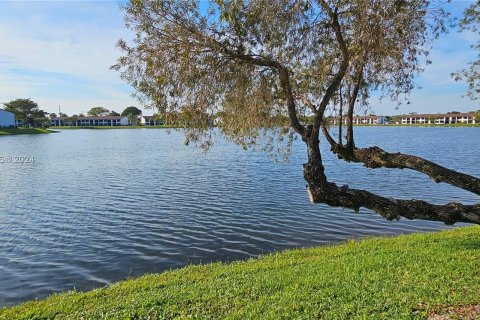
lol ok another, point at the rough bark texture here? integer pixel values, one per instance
(322, 191)
(375, 157)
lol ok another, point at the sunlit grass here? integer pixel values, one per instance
(15, 131)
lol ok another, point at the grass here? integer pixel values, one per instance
(406, 277)
(14, 131)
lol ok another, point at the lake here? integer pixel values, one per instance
(98, 206)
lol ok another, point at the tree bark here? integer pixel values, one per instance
(321, 191)
(340, 123)
(351, 104)
(375, 157)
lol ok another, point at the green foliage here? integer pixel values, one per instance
(257, 62)
(41, 122)
(131, 111)
(477, 116)
(381, 278)
(98, 111)
(471, 74)
(26, 111)
(72, 120)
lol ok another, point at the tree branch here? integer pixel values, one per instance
(322, 191)
(375, 157)
(351, 104)
(336, 81)
(327, 135)
(284, 81)
(308, 103)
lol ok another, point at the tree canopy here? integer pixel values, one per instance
(471, 23)
(98, 111)
(27, 111)
(131, 111)
(263, 66)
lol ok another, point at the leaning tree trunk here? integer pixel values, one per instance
(375, 157)
(320, 190)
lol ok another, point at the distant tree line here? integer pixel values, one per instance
(28, 113)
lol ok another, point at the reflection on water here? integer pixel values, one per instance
(100, 205)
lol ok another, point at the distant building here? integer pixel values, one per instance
(7, 119)
(362, 120)
(439, 118)
(90, 121)
(150, 121)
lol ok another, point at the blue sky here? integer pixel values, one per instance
(59, 53)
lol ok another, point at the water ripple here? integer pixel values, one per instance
(127, 202)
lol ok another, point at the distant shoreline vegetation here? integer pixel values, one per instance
(17, 131)
(116, 127)
(21, 131)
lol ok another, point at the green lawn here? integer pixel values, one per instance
(380, 278)
(4, 132)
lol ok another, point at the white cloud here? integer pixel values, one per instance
(58, 57)
(64, 50)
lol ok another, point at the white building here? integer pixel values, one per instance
(361, 120)
(439, 118)
(90, 121)
(7, 119)
(150, 121)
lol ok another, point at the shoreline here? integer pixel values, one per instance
(113, 127)
(22, 131)
(19, 131)
(408, 276)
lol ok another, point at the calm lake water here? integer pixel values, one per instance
(98, 206)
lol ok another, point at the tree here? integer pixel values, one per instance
(52, 115)
(41, 122)
(25, 110)
(471, 22)
(72, 120)
(62, 115)
(113, 113)
(98, 112)
(265, 64)
(477, 116)
(131, 111)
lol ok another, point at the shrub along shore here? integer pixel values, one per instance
(406, 277)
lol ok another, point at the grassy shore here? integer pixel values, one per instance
(407, 277)
(14, 131)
